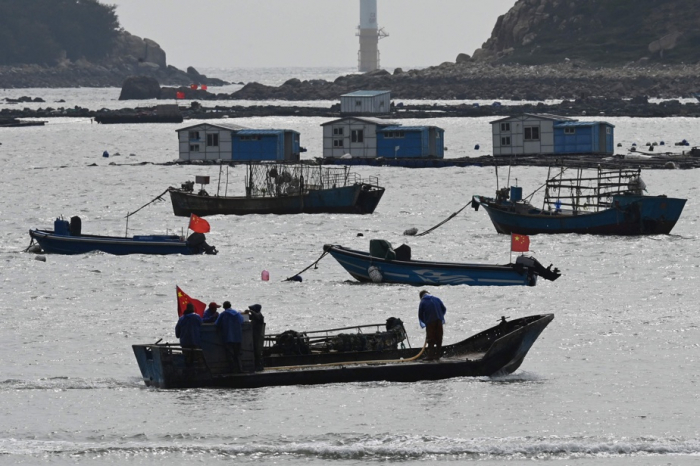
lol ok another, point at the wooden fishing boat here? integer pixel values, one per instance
(276, 188)
(67, 238)
(611, 203)
(381, 265)
(308, 359)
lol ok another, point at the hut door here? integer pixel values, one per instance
(602, 140)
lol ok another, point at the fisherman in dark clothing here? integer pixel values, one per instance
(254, 311)
(211, 314)
(431, 315)
(188, 331)
(230, 324)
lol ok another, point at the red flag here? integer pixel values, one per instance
(204, 87)
(198, 225)
(179, 95)
(193, 87)
(183, 299)
(519, 243)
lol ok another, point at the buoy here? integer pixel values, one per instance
(40, 258)
(360, 234)
(105, 154)
(662, 143)
(375, 275)
(477, 147)
(296, 278)
(411, 232)
(265, 276)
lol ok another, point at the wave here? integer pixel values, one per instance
(68, 383)
(377, 447)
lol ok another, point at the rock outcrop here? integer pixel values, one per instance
(609, 32)
(140, 87)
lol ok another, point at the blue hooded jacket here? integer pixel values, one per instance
(210, 315)
(188, 330)
(230, 324)
(430, 309)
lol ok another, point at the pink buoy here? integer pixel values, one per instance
(265, 275)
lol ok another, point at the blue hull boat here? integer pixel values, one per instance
(66, 240)
(612, 203)
(366, 267)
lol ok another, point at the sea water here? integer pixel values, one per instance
(612, 380)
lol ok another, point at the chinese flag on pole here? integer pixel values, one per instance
(198, 225)
(183, 299)
(519, 243)
(179, 95)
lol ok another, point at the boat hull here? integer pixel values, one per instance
(420, 273)
(499, 350)
(632, 215)
(64, 244)
(359, 198)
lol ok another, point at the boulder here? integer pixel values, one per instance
(139, 88)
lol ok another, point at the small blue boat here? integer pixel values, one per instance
(611, 203)
(67, 238)
(385, 265)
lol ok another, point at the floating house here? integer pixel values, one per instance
(545, 134)
(231, 142)
(365, 103)
(368, 137)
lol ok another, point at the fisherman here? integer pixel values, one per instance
(211, 314)
(254, 311)
(230, 324)
(188, 331)
(431, 315)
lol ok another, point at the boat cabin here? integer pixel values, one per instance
(231, 142)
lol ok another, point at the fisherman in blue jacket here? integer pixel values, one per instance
(230, 324)
(431, 315)
(211, 313)
(188, 331)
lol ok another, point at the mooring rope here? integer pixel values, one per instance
(444, 221)
(315, 263)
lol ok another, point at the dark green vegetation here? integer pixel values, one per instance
(607, 32)
(46, 31)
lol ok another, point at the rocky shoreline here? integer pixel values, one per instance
(600, 107)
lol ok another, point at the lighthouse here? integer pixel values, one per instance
(369, 33)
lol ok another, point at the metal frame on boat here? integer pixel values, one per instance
(279, 188)
(611, 203)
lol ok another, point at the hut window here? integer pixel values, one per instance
(358, 135)
(194, 135)
(194, 147)
(337, 131)
(505, 126)
(569, 130)
(358, 103)
(337, 143)
(505, 141)
(532, 133)
(213, 140)
(400, 134)
(388, 135)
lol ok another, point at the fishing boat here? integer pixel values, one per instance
(278, 188)
(383, 264)
(351, 354)
(67, 238)
(611, 203)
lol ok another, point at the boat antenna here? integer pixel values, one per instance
(496, 165)
(157, 198)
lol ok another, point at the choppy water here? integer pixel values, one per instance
(613, 380)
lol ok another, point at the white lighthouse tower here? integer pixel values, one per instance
(369, 33)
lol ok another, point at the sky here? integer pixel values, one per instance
(308, 33)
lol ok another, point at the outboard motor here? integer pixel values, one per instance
(530, 262)
(188, 186)
(197, 242)
(61, 227)
(76, 226)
